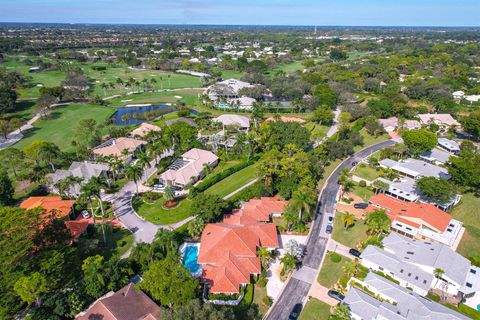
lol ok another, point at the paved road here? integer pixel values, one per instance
(298, 286)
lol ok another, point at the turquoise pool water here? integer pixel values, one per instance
(190, 257)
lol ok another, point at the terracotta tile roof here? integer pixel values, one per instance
(286, 119)
(117, 146)
(128, 303)
(49, 203)
(77, 227)
(414, 214)
(257, 210)
(144, 129)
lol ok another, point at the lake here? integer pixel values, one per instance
(133, 112)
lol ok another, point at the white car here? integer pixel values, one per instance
(85, 214)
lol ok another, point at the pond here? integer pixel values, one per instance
(135, 115)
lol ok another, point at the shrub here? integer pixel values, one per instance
(150, 196)
(267, 301)
(335, 257)
(262, 282)
(362, 183)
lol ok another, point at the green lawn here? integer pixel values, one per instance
(233, 182)
(467, 212)
(315, 310)
(258, 295)
(232, 74)
(354, 234)
(363, 192)
(331, 271)
(59, 126)
(366, 172)
(188, 96)
(317, 132)
(369, 140)
(119, 240)
(289, 67)
(24, 110)
(155, 213)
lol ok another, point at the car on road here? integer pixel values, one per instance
(329, 228)
(335, 295)
(330, 219)
(85, 214)
(295, 312)
(354, 163)
(360, 205)
(354, 252)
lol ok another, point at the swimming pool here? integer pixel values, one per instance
(190, 257)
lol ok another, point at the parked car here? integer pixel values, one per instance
(354, 252)
(335, 295)
(329, 228)
(354, 163)
(295, 312)
(360, 205)
(85, 214)
(330, 219)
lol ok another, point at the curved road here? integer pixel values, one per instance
(298, 286)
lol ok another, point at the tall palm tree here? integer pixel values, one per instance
(86, 194)
(143, 160)
(438, 273)
(96, 186)
(49, 151)
(65, 184)
(169, 194)
(134, 172)
(303, 201)
(265, 255)
(349, 268)
(347, 220)
(288, 261)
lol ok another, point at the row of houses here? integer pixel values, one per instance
(444, 121)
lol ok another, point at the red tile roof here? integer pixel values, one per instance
(228, 250)
(77, 227)
(50, 204)
(411, 213)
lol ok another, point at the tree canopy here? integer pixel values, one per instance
(418, 141)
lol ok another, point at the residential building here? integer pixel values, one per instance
(412, 125)
(449, 145)
(188, 121)
(239, 121)
(121, 148)
(188, 168)
(389, 124)
(418, 220)
(415, 169)
(228, 250)
(414, 263)
(241, 103)
(388, 300)
(129, 303)
(82, 170)
(436, 156)
(144, 129)
(444, 120)
(473, 98)
(51, 204)
(458, 95)
(227, 89)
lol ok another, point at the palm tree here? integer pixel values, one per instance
(65, 184)
(153, 82)
(134, 172)
(380, 185)
(265, 255)
(438, 273)
(347, 220)
(288, 261)
(49, 151)
(143, 160)
(341, 312)
(104, 86)
(86, 193)
(303, 201)
(349, 268)
(96, 186)
(144, 82)
(169, 194)
(119, 81)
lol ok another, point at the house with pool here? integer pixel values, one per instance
(227, 252)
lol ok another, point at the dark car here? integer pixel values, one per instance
(329, 228)
(335, 295)
(330, 219)
(360, 205)
(354, 163)
(295, 312)
(354, 252)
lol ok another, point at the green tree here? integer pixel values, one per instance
(134, 172)
(29, 288)
(8, 96)
(326, 96)
(324, 115)
(418, 141)
(465, 169)
(13, 158)
(195, 227)
(378, 222)
(169, 194)
(169, 282)
(93, 269)
(34, 150)
(337, 54)
(341, 312)
(265, 255)
(471, 124)
(210, 207)
(49, 152)
(437, 189)
(6, 189)
(195, 310)
(303, 201)
(438, 273)
(289, 262)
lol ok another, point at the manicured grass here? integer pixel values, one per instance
(258, 296)
(331, 271)
(156, 213)
(188, 96)
(289, 67)
(233, 182)
(119, 240)
(59, 126)
(369, 140)
(24, 110)
(315, 310)
(317, 132)
(467, 212)
(366, 172)
(232, 74)
(353, 235)
(363, 192)
(223, 165)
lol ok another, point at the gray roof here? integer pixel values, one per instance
(436, 155)
(449, 144)
(181, 119)
(416, 168)
(400, 303)
(430, 254)
(402, 270)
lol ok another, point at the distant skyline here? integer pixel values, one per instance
(247, 12)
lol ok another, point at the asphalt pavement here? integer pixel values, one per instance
(296, 290)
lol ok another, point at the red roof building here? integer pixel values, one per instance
(417, 220)
(228, 250)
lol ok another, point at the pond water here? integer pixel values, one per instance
(131, 112)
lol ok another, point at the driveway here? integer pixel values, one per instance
(298, 287)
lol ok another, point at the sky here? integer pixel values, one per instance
(247, 12)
